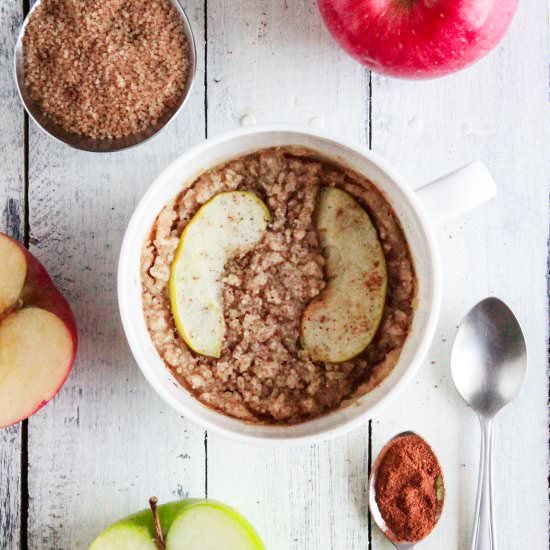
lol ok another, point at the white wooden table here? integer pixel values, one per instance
(107, 442)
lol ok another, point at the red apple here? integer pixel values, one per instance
(417, 38)
(38, 336)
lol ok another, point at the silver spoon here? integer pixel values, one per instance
(488, 364)
(373, 505)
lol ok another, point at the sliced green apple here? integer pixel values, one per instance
(227, 225)
(126, 536)
(211, 526)
(191, 524)
(342, 320)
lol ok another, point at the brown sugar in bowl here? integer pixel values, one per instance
(138, 93)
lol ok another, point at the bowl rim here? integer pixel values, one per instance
(425, 337)
(82, 143)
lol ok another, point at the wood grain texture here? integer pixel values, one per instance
(107, 442)
(274, 62)
(497, 112)
(12, 206)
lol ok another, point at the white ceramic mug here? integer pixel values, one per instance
(418, 211)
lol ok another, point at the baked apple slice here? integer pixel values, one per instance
(38, 336)
(226, 226)
(342, 320)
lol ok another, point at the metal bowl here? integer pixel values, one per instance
(102, 145)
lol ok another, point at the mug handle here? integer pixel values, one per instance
(454, 194)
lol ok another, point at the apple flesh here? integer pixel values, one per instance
(191, 524)
(38, 335)
(417, 38)
(14, 272)
(342, 320)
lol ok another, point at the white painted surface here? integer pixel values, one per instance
(107, 441)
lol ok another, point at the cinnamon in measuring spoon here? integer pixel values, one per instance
(409, 488)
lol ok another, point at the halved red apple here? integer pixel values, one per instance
(38, 335)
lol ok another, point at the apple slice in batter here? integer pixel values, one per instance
(227, 225)
(342, 320)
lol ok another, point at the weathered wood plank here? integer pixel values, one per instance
(107, 442)
(497, 112)
(275, 62)
(12, 208)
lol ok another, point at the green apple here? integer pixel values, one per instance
(342, 320)
(228, 225)
(191, 524)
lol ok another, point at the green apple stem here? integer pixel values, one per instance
(159, 537)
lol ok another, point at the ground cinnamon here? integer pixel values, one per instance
(409, 488)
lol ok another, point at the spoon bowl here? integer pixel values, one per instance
(489, 358)
(373, 504)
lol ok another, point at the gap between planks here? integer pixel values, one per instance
(24, 498)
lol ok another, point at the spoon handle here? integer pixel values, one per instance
(484, 523)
